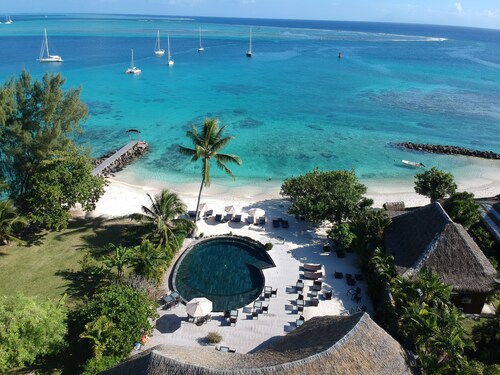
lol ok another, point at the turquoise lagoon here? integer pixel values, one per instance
(292, 107)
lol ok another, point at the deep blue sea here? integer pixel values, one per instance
(292, 107)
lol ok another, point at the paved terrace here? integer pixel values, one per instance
(292, 247)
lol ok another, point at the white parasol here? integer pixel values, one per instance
(199, 307)
(256, 212)
(230, 209)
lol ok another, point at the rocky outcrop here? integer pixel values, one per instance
(139, 149)
(448, 150)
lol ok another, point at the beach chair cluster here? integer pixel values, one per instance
(171, 300)
(238, 218)
(280, 222)
(355, 294)
(269, 292)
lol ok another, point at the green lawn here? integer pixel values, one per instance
(45, 267)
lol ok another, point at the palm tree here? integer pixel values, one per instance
(207, 145)
(383, 265)
(9, 221)
(149, 260)
(121, 259)
(163, 215)
(99, 332)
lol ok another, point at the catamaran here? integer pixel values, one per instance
(158, 50)
(249, 52)
(200, 48)
(133, 69)
(45, 56)
(8, 21)
(169, 57)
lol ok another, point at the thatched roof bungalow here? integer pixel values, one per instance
(427, 237)
(323, 345)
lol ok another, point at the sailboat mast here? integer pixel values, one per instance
(250, 40)
(168, 46)
(46, 42)
(158, 41)
(132, 61)
(200, 37)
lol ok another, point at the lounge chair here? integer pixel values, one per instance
(314, 302)
(267, 295)
(328, 294)
(224, 349)
(274, 292)
(255, 314)
(338, 275)
(327, 248)
(265, 309)
(354, 291)
(351, 281)
(313, 275)
(249, 220)
(317, 285)
(311, 267)
(237, 218)
(284, 224)
(218, 218)
(208, 213)
(228, 217)
(276, 223)
(262, 220)
(300, 308)
(192, 213)
(232, 321)
(227, 314)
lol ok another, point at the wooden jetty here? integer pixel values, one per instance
(132, 147)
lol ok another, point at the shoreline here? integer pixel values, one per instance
(125, 195)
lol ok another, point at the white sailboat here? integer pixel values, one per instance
(169, 57)
(45, 55)
(133, 69)
(249, 52)
(158, 50)
(200, 48)
(8, 21)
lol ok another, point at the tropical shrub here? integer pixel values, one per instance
(10, 221)
(342, 235)
(123, 314)
(30, 328)
(268, 246)
(434, 184)
(463, 209)
(214, 338)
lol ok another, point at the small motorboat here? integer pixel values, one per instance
(413, 163)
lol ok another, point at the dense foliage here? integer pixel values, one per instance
(115, 318)
(463, 209)
(207, 145)
(37, 123)
(150, 261)
(59, 183)
(30, 328)
(487, 339)
(435, 184)
(10, 221)
(335, 196)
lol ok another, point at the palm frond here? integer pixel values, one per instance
(187, 151)
(221, 143)
(224, 168)
(228, 158)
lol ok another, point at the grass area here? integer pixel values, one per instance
(44, 267)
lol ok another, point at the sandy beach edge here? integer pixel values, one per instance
(124, 196)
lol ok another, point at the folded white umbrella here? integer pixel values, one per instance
(256, 212)
(199, 307)
(230, 209)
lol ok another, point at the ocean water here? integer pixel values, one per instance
(292, 107)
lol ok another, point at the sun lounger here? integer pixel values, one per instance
(284, 224)
(228, 217)
(224, 349)
(249, 220)
(311, 267)
(317, 285)
(276, 223)
(338, 275)
(237, 218)
(255, 314)
(209, 213)
(327, 248)
(192, 213)
(313, 275)
(265, 309)
(218, 218)
(328, 294)
(314, 302)
(274, 292)
(351, 281)
(262, 220)
(232, 321)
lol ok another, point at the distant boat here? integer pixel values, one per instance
(340, 55)
(158, 50)
(249, 52)
(133, 69)
(8, 21)
(45, 55)
(169, 57)
(200, 48)
(412, 163)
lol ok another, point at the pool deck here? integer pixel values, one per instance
(293, 246)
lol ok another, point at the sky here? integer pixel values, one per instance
(474, 13)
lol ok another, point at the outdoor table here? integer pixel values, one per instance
(234, 314)
(168, 299)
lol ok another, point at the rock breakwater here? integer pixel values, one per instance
(448, 150)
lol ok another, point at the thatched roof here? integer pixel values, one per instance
(394, 206)
(427, 237)
(323, 345)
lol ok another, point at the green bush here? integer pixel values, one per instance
(95, 366)
(214, 338)
(268, 246)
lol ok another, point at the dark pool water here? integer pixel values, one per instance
(226, 270)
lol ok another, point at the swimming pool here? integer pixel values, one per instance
(227, 270)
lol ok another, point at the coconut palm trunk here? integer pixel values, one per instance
(207, 144)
